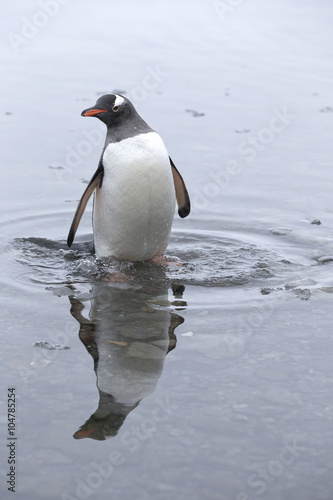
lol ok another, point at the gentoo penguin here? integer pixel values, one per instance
(136, 186)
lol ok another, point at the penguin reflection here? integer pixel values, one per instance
(129, 333)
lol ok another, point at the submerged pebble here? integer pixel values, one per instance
(280, 231)
(195, 113)
(50, 347)
(325, 259)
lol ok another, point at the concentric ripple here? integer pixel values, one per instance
(198, 258)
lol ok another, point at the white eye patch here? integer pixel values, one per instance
(119, 100)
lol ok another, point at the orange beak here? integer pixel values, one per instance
(92, 112)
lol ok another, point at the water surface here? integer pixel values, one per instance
(208, 377)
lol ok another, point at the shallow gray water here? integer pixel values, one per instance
(208, 377)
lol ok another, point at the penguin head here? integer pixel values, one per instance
(111, 109)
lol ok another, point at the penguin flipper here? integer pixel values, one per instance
(183, 199)
(95, 182)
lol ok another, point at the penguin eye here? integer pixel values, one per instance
(115, 109)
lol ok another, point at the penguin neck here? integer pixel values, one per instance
(125, 131)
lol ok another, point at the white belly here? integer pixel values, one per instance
(134, 208)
